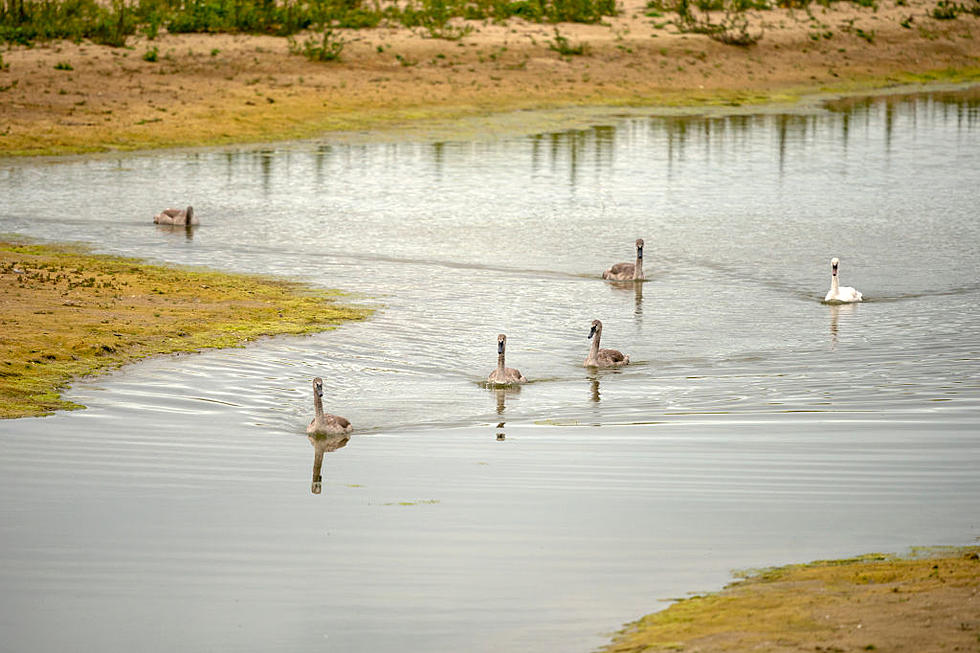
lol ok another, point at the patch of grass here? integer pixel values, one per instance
(68, 313)
(327, 48)
(564, 47)
(868, 36)
(805, 604)
(151, 54)
(110, 22)
(63, 65)
(946, 10)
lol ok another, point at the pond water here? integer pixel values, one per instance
(755, 425)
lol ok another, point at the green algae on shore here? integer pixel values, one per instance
(69, 313)
(926, 601)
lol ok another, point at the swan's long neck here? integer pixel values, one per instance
(594, 352)
(638, 266)
(318, 403)
(500, 362)
(834, 283)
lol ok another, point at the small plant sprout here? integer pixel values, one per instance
(564, 47)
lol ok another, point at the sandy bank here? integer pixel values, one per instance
(219, 89)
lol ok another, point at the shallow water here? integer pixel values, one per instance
(756, 426)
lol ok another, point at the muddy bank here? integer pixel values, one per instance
(69, 313)
(213, 89)
(927, 602)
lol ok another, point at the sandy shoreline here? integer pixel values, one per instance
(218, 89)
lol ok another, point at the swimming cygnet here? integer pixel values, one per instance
(325, 423)
(628, 271)
(181, 217)
(845, 295)
(603, 357)
(504, 375)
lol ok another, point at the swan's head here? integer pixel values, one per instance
(501, 343)
(318, 387)
(834, 262)
(639, 248)
(596, 328)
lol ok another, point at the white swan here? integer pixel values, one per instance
(603, 357)
(836, 294)
(181, 217)
(504, 375)
(628, 271)
(325, 423)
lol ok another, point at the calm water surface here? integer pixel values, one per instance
(757, 425)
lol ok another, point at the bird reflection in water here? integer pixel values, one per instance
(501, 395)
(186, 230)
(637, 288)
(322, 443)
(594, 384)
(836, 310)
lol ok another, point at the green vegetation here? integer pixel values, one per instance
(868, 602)
(68, 313)
(327, 48)
(563, 46)
(947, 10)
(25, 21)
(151, 54)
(695, 17)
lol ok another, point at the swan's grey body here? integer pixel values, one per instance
(325, 423)
(504, 375)
(628, 271)
(321, 444)
(837, 293)
(603, 357)
(180, 217)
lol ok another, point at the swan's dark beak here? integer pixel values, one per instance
(319, 391)
(500, 346)
(592, 332)
(639, 252)
(833, 270)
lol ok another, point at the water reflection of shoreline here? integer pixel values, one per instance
(321, 444)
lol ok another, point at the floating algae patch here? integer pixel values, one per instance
(68, 313)
(926, 600)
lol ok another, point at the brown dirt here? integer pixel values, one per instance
(872, 603)
(214, 89)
